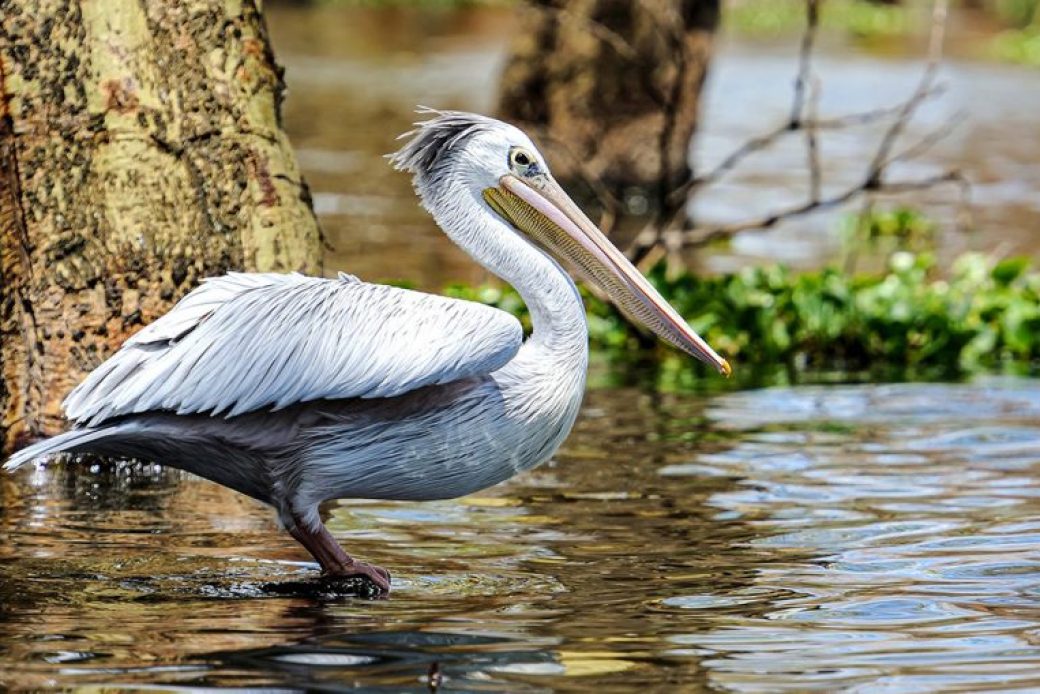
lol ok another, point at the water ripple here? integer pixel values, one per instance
(861, 538)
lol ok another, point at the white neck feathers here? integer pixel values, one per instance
(557, 313)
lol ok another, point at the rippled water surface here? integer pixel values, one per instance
(863, 537)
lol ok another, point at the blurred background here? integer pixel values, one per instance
(356, 73)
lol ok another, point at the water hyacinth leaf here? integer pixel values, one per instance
(1007, 271)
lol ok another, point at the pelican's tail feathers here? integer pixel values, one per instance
(70, 441)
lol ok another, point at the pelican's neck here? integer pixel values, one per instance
(557, 313)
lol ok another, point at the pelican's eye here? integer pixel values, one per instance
(522, 161)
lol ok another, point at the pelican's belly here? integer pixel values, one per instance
(444, 442)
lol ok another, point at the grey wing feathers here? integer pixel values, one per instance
(244, 342)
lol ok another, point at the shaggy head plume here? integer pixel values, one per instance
(430, 144)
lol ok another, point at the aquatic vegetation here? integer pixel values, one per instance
(863, 19)
(1016, 13)
(903, 224)
(981, 314)
(1019, 42)
(1018, 45)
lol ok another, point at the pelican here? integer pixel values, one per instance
(296, 390)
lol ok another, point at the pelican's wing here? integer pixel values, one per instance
(243, 342)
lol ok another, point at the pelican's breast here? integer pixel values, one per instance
(445, 441)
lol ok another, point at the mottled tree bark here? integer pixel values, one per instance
(615, 82)
(141, 149)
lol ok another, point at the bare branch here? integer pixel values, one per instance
(935, 52)
(811, 145)
(928, 141)
(804, 117)
(703, 235)
(673, 204)
(762, 141)
(766, 140)
(868, 117)
(755, 144)
(801, 83)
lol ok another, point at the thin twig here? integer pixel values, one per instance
(764, 141)
(935, 52)
(872, 116)
(801, 83)
(703, 235)
(928, 141)
(730, 161)
(673, 205)
(811, 145)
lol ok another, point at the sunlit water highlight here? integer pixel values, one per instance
(862, 537)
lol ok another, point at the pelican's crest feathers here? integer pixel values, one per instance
(432, 140)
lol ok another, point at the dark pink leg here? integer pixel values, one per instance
(334, 561)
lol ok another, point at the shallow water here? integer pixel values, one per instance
(863, 537)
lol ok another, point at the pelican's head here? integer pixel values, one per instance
(500, 166)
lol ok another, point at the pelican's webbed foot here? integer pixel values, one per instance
(379, 576)
(334, 561)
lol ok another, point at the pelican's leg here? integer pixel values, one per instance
(334, 561)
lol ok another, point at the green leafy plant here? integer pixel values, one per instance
(858, 17)
(984, 315)
(1018, 45)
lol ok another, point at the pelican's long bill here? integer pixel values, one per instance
(538, 207)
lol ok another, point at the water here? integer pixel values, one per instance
(862, 537)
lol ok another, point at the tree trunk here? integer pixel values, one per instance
(141, 149)
(616, 85)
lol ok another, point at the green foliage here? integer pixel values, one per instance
(1019, 43)
(984, 315)
(904, 224)
(1017, 13)
(1018, 46)
(882, 232)
(858, 17)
